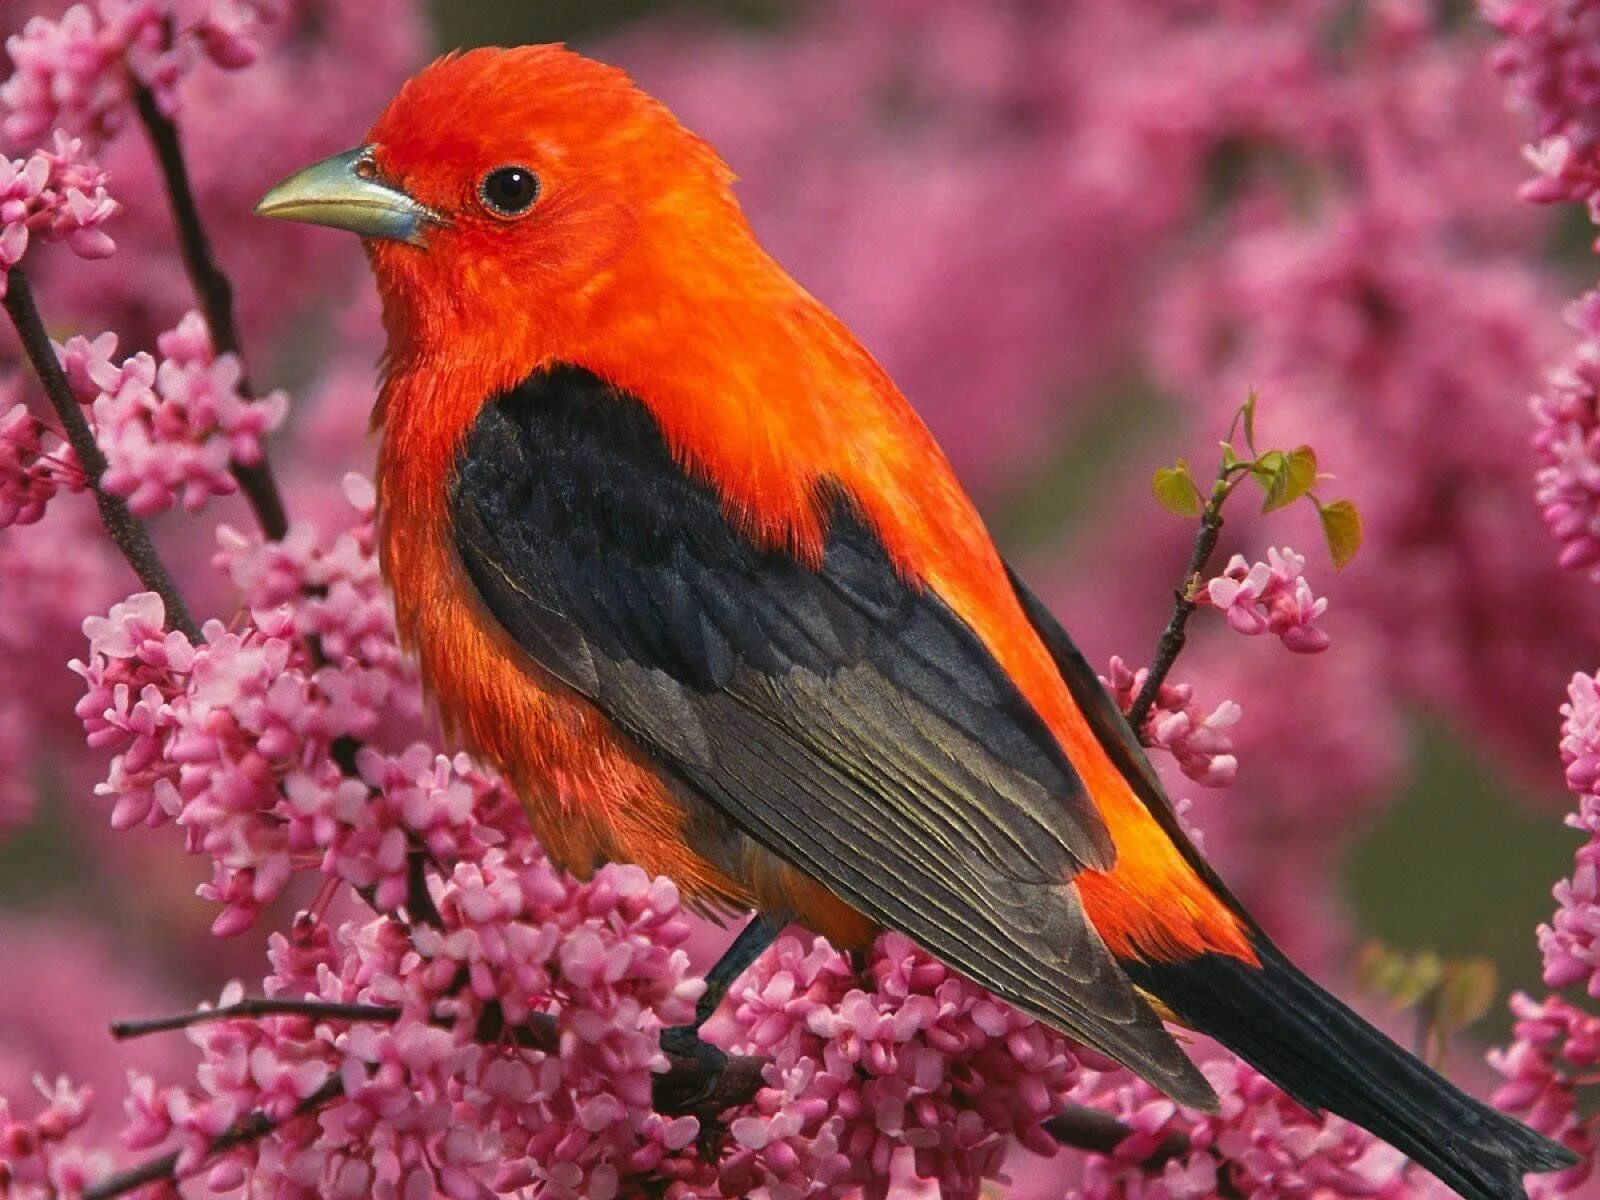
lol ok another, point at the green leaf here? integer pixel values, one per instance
(1403, 978)
(1466, 993)
(1175, 489)
(1295, 480)
(1248, 412)
(1270, 471)
(1268, 465)
(1341, 526)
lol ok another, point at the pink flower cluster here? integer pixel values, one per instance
(1555, 1051)
(522, 1055)
(1571, 942)
(233, 738)
(1566, 439)
(1260, 1144)
(329, 584)
(1555, 1047)
(170, 429)
(57, 195)
(906, 1064)
(229, 32)
(1551, 58)
(78, 72)
(1270, 597)
(73, 73)
(1197, 741)
(32, 467)
(39, 1160)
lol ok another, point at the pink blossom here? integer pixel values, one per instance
(1555, 1047)
(329, 580)
(241, 130)
(1567, 440)
(171, 429)
(573, 1119)
(1555, 1051)
(230, 31)
(78, 73)
(57, 195)
(1261, 1144)
(1571, 942)
(1550, 58)
(906, 1060)
(29, 471)
(232, 739)
(74, 73)
(1196, 741)
(1271, 597)
(39, 1160)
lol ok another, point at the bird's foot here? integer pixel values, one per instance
(703, 1069)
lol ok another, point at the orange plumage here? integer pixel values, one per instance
(487, 306)
(677, 556)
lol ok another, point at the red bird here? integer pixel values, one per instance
(680, 560)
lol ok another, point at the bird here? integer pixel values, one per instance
(676, 556)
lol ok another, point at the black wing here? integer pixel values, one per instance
(847, 722)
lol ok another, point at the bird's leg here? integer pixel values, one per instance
(684, 1040)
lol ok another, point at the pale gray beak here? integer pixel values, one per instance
(342, 192)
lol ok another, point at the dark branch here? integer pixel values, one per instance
(253, 1128)
(1174, 636)
(255, 1006)
(1099, 1132)
(419, 901)
(689, 1085)
(125, 529)
(214, 291)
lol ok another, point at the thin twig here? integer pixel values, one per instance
(253, 1128)
(214, 291)
(255, 1006)
(1184, 604)
(419, 901)
(126, 530)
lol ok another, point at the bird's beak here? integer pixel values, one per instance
(343, 192)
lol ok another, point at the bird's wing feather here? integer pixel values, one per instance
(847, 721)
(1116, 736)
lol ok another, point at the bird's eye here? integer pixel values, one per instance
(509, 191)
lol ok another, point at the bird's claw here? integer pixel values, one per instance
(684, 1041)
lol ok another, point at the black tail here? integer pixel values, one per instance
(1327, 1057)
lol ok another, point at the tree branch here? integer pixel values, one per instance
(255, 1006)
(252, 1128)
(1085, 1128)
(126, 530)
(1175, 634)
(214, 291)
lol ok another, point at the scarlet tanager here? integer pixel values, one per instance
(680, 560)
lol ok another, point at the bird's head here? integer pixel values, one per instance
(514, 190)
